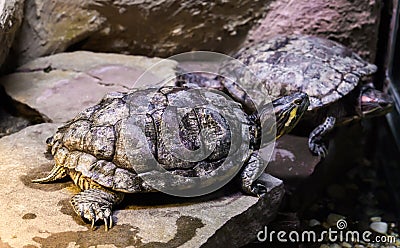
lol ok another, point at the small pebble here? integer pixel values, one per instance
(324, 246)
(359, 246)
(346, 245)
(376, 219)
(334, 246)
(314, 222)
(334, 218)
(380, 227)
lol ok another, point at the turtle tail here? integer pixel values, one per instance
(56, 173)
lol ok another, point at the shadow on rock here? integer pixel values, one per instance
(40, 172)
(121, 236)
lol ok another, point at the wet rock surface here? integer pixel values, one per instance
(291, 160)
(134, 27)
(60, 86)
(11, 14)
(40, 215)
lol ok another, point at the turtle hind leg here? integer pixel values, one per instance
(96, 204)
(56, 173)
(316, 142)
(250, 174)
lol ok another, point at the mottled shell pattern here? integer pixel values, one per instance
(92, 143)
(324, 69)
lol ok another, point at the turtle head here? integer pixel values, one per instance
(288, 111)
(374, 102)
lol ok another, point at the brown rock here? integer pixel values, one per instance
(353, 23)
(11, 13)
(146, 27)
(52, 26)
(41, 215)
(60, 86)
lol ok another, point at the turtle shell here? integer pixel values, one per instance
(324, 69)
(94, 143)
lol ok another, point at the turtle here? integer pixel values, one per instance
(91, 148)
(336, 79)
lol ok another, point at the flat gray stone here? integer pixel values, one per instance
(39, 215)
(62, 85)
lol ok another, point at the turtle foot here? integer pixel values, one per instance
(258, 188)
(316, 142)
(94, 205)
(250, 174)
(319, 149)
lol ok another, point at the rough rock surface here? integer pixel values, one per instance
(353, 23)
(52, 26)
(11, 13)
(36, 215)
(144, 27)
(60, 86)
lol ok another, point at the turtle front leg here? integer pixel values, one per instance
(250, 174)
(96, 204)
(316, 141)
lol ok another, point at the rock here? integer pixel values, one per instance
(10, 124)
(314, 222)
(49, 27)
(359, 246)
(375, 219)
(10, 121)
(285, 221)
(291, 160)
(346, 245)
(353, 23)
(145, 27)
(379, 227)
(11, 13)
(40, 214)
(60, 86)
(333, 219)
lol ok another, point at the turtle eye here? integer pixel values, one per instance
(298, 101)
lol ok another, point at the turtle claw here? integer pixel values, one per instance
(259, 189)
(94, 205)
(105, 224)
(108, 221)
(320, 149)
(323, 151)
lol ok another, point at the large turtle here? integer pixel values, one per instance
(332, 75)
(94, 150)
